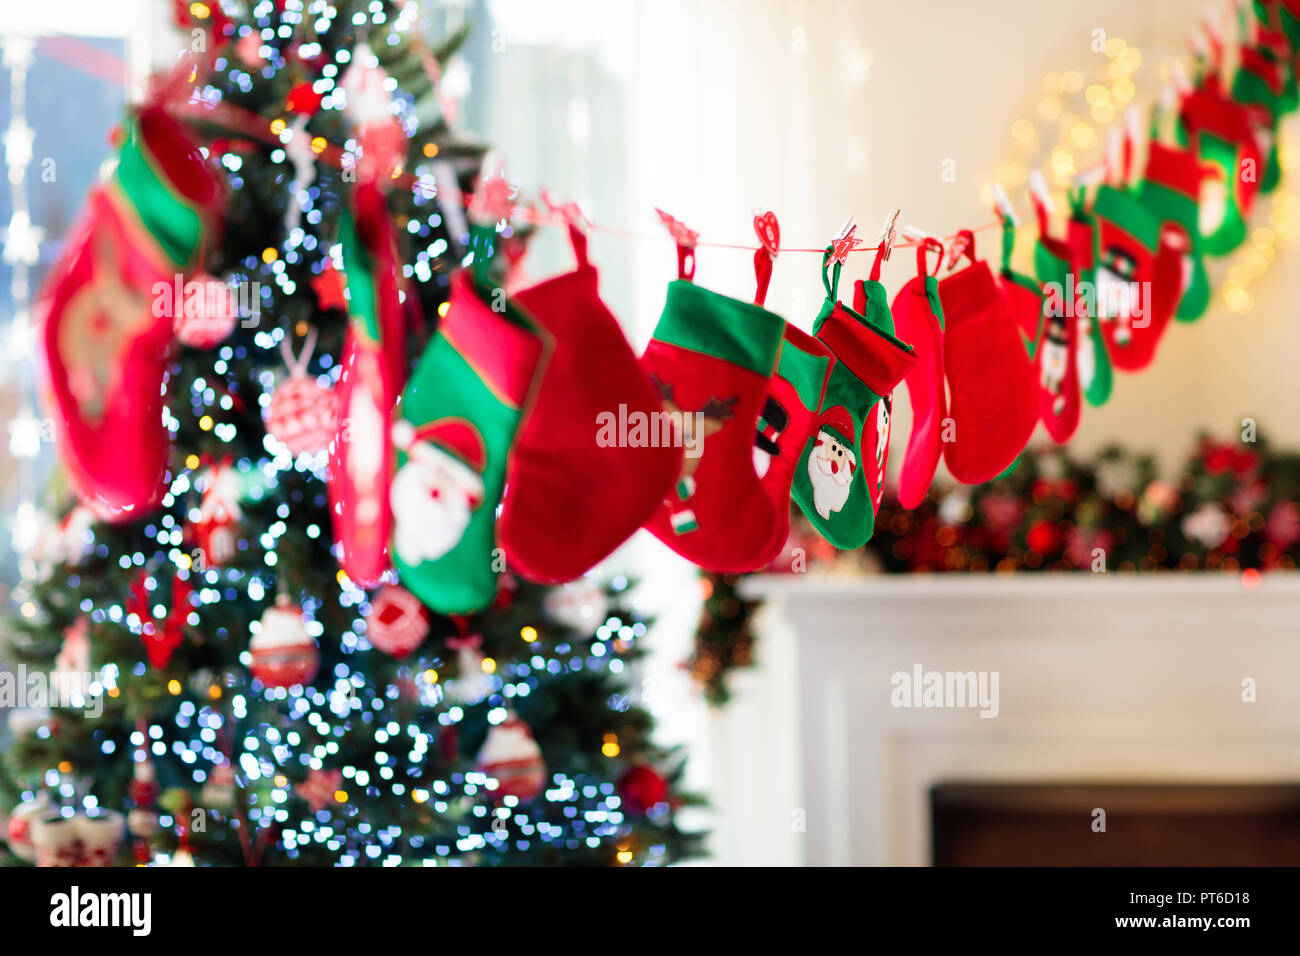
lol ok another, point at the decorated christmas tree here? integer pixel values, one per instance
(234, 674)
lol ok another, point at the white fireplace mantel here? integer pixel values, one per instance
(1102, 678)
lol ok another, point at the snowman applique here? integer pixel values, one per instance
(437, 490)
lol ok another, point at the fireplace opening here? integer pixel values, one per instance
(1083, 824)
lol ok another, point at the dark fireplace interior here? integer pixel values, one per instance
(1047, 824)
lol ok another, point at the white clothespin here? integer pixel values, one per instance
(1002, 203)
(1038, 189)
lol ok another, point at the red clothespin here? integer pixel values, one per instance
(493, 199)
(962, 244)
(845, 241)
(884, 243)
(686, 239)
(571, 214)
(768, 231)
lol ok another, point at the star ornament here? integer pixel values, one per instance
(494, 198)
(320, 789)
(329, 287)
(844, 244)
(682, 234)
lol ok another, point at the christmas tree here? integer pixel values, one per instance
(216, 678)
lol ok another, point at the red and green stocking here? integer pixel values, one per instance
(711, 359)
(1096, 375)
(1219, 132)
(1056, 357)
(790, 411)
(918, 314)
(459, 415)
(830, 485)
(1171, 191)
(991, 394)
(106, 343)
(1137, 279)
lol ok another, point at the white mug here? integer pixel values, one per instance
(58, 841)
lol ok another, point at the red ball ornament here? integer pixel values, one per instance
(1044, 537)
(641, 789)
(205, 313)
(397, 622)
(303, 415)
(512, 757)
(283, 652)
(303, 100)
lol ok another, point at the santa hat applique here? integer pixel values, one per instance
(449, 443)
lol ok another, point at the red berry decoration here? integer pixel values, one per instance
(641, 789)
(397, 622)
(1044, 537)
(283, 652)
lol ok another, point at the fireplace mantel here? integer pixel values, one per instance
(1102, 678)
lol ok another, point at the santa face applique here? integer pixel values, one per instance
(830, 469)
(1117, 292)
(435, 493)
(1214, 205)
